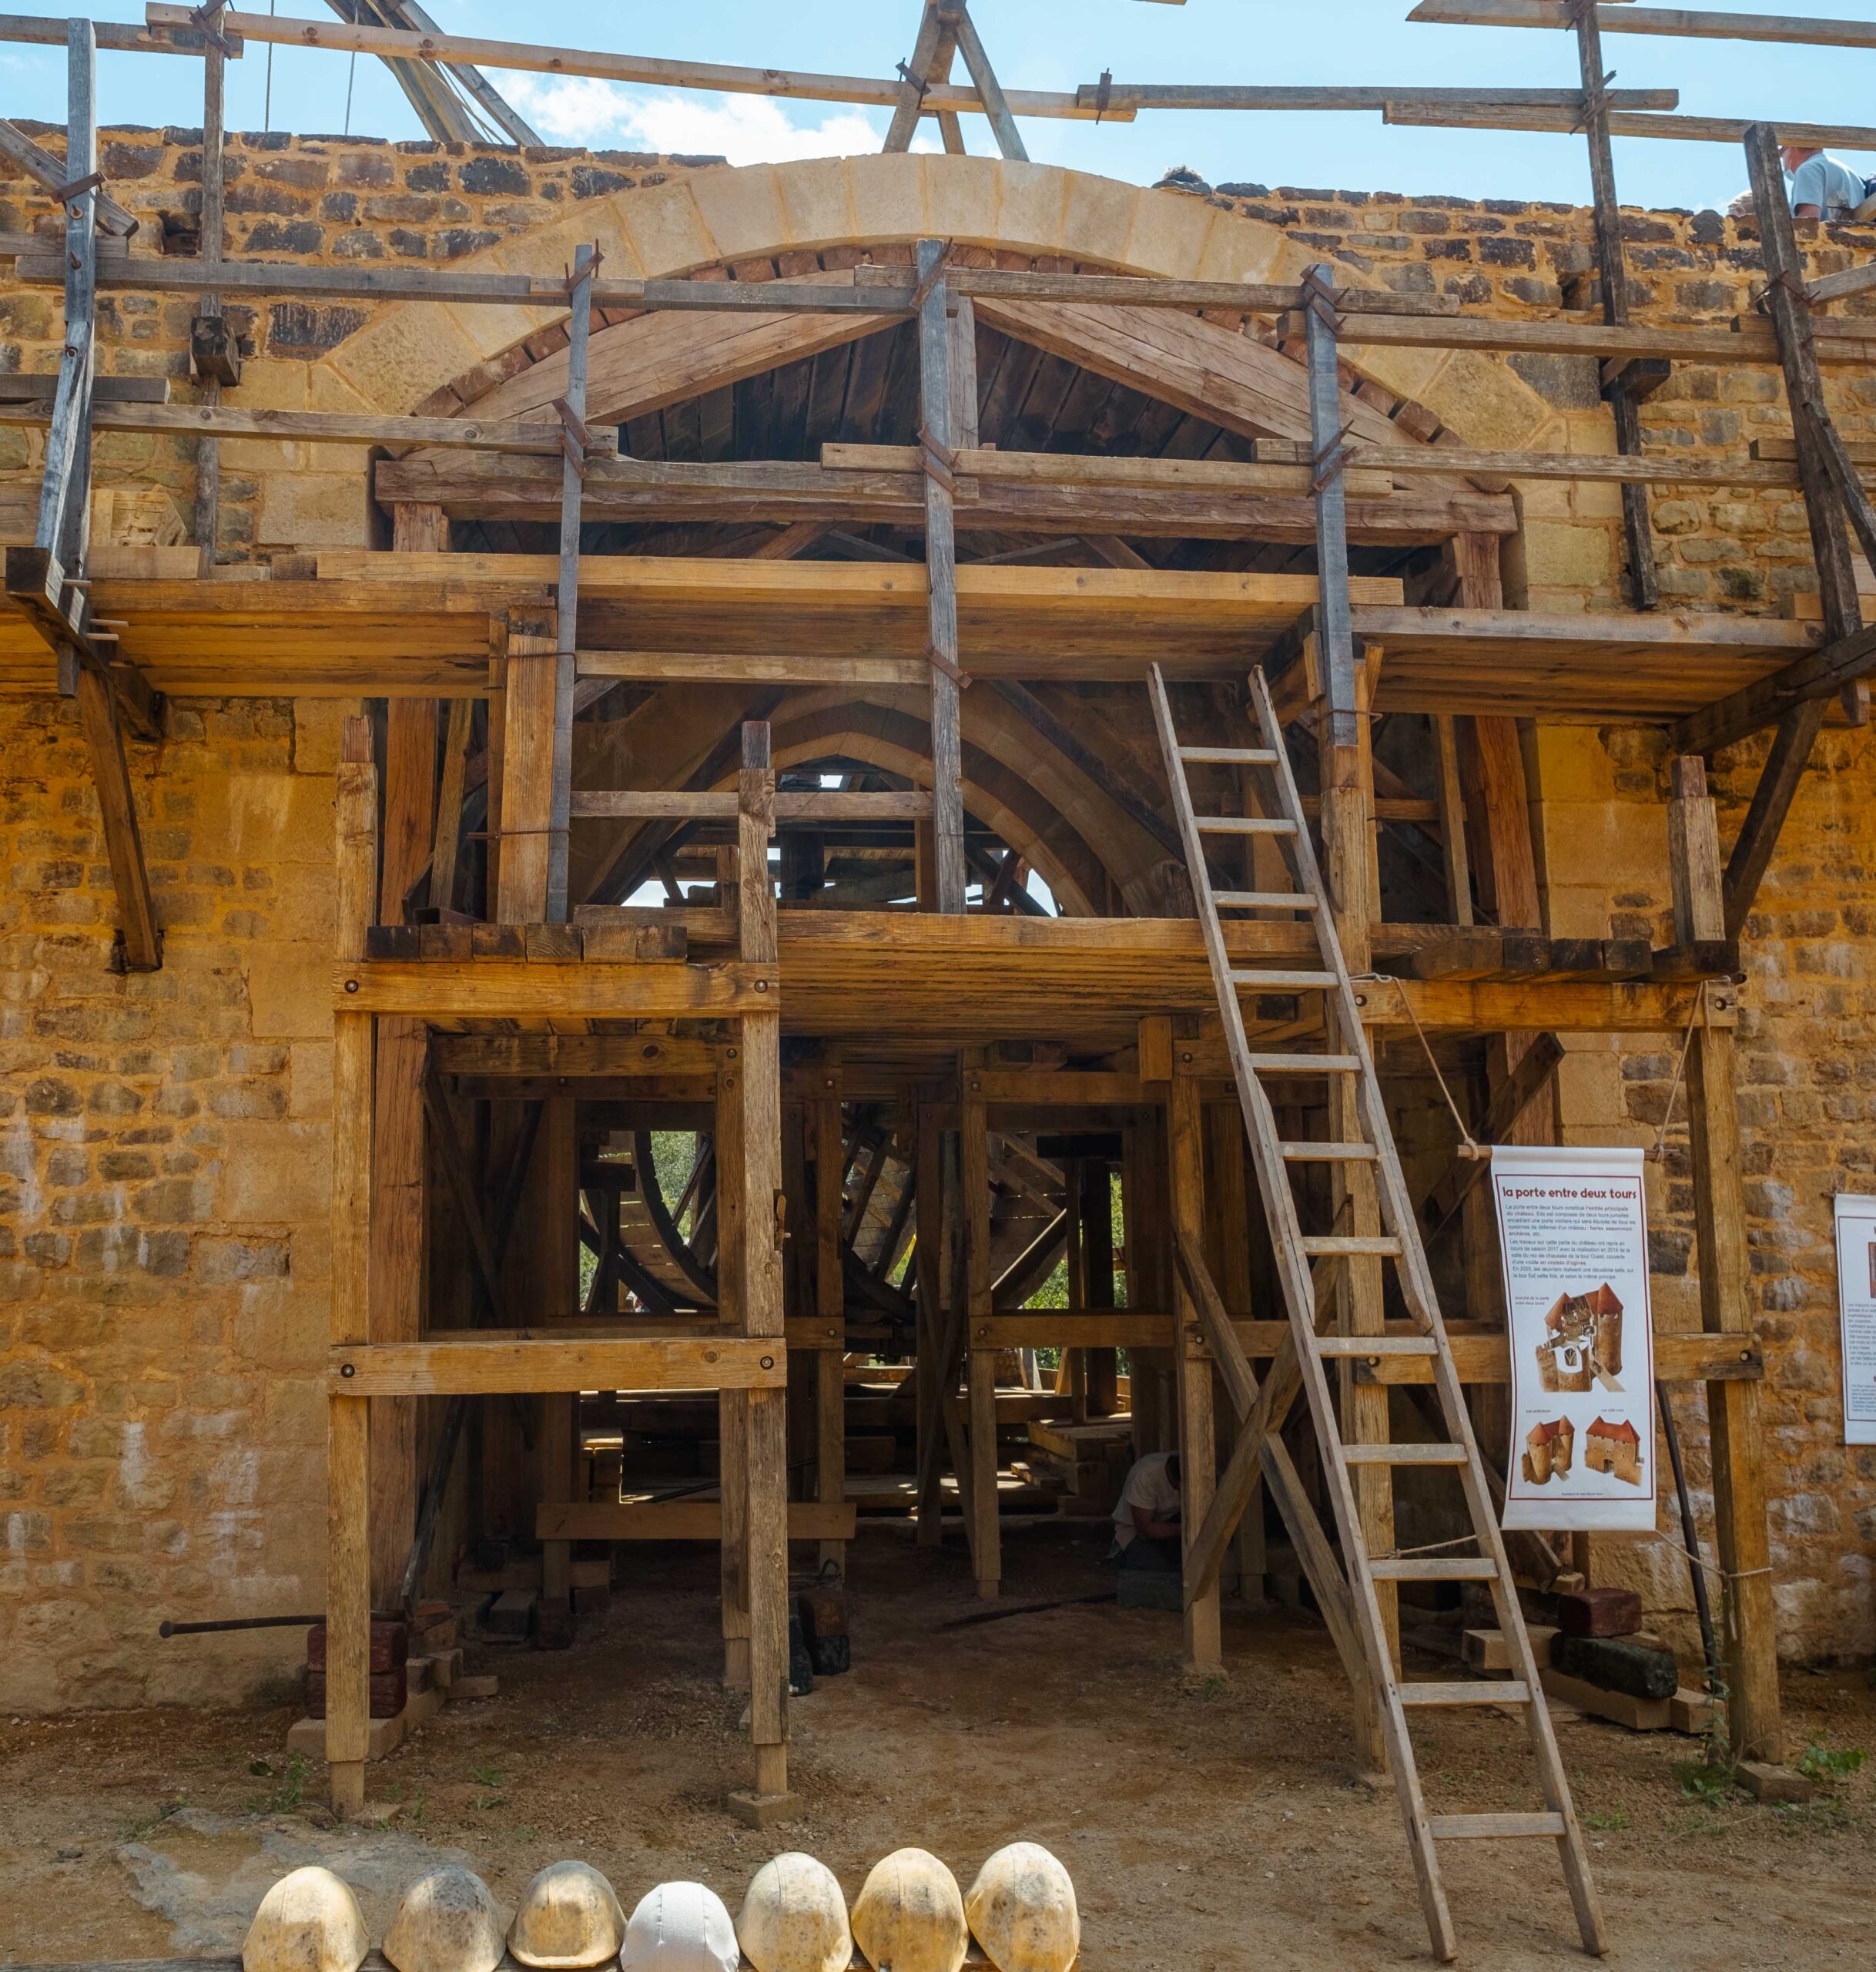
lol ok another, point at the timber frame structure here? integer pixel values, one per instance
(819, 1044)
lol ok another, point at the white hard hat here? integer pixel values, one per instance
(680, 1927)
(568, 1917)
(447, 1923)
(909, 1916)
(794, 1918)
(1022, 1911)
(310, 1921)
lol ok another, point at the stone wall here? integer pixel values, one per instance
(164, 1176)
(163, 1154)
(1732, 548)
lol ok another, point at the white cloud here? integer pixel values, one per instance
(746, 129)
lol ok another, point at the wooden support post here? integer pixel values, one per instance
(1837, 584)
(398, 1211)
(1092, 1216)
(1348, 862)
(1334, 627)
(123, 842)
(974, 1203)
(448, 839)
(928, 1207)
(1227, 1185)
(527, 754)
(830, 1387)
(733, 1405)
(956, 14)
(567, 600)
(1613, 266)
(348, 1555)
(208, 450)
(1197, 1435)
(963, 320)
(941, 575)
(761, 1225)
(1754, 1724)
(554, 1275)
(1452, 818)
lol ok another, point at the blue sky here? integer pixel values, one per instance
(1260, 41)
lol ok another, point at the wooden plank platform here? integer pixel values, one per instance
(420, 624)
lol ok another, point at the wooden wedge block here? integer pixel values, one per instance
(1640, 1714)
(1690, 1711)
(1486, 1652)
(1764, 1782)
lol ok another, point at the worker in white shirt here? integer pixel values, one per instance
(1146, 1517)
(1822, 187)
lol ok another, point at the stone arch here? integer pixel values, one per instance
(727, 214)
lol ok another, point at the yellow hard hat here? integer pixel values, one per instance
(310, 1921)
(568, 1917)
(794, 1918)
(909, 1916)
(1022, 1911)
(447, 1923)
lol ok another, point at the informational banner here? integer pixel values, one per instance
(1856, 1309)
(1572, 1227)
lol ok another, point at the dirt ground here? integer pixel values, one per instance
(1219, 1825)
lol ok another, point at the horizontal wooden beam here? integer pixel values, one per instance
(779, 491)
(1087, 471)
(320, 427)
(881, 92)
(1678, 23)
(577, 1056)
(1764, 702)
(481, 1363)
(677, 1520)
(1747, 340)
(1631, 123)
(1764, 468)
(1481, 1358)
(1562, 1006)
(487, 989)
(1288, 96)
(825, 805)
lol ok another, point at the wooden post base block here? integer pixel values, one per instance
(1640, 1714)
(1690, 1711)
(755, 1810)
(1486, 1652)
(553, 1623)
(307, 1736)
(1764, 1782)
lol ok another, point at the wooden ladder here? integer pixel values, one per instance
(1373, 1145)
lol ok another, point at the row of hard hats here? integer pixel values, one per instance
(910, 1917)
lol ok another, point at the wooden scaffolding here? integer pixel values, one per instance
(971, 1025)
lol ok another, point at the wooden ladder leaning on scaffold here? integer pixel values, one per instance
(1372, 1143)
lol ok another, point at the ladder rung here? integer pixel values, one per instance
(1353, 1245)
(1376, 1345)
(1231, 756)
(1304, 1065)
(1430, 1567)
(1242, 825)
(1403, 1454)
(1458, 1828)
(1284, 982)
(1497, 1690)
(1266, 900)
(1328, 1153)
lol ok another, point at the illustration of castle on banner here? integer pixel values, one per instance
(1583, 1344)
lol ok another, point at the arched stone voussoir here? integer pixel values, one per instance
(724, 215)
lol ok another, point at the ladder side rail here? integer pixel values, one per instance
(1299, 1296)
